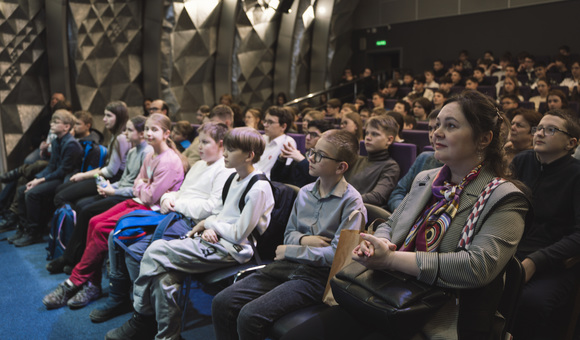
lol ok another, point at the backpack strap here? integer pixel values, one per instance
(103, 156)
(169, 219)
(226, 188)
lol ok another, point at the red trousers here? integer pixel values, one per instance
(100, 226)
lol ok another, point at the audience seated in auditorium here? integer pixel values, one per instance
(310, 116)
(410, 122)
(360, 102)
(572, 81)
(499, 70)
(511, 87)
(181, 134)
(299, 273)
(253, 118)
(375, 175)
(403, 107)
(202, 114)
(276, 123)
(445, 84)
(419, 89)
(421, 108)
(159, 106)
(105, 197)
(197, 198)
(408, 80)
(65, 159)
(471, 83)
(364, 114)
(218, 241)
(527, 68)
(510, 71)
(219, 114)
(457, 78)
(520, 136)
(557, 100)
(559, 66)
(297, 172)
(378, 100)
(401, 122)
(553, 235)
(430, 79)
(439, 98)
(543, 87)
(439, 68)
(352, 123)
(333, 108)
(162, 171)
(509, 102)
(425, 161)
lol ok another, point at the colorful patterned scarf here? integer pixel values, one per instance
(427, 232)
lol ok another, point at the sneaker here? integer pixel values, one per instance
(18, 234)
(9, 222)
(110, 310)
(28, 238)
(83, 297)
(138, 327)
(59, 297)
(56, 266)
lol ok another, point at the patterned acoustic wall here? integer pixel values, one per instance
(254, 51)
(192, 45)
(300, 64)
(24, 91)
(105, 43)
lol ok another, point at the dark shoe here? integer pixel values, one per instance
(9, 222)
(83, 297)
(11, 175)
(56, 266)
(60, 296)
(67, 269)
(110, 310)
(17, 235)
(138, 327)
(28, 238)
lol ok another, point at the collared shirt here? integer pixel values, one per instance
(340, 209)
(272, 151)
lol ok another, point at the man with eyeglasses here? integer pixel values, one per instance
(296, 173)
(276, 123)
(159, 106)
(553, 234)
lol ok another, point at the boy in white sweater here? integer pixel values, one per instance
(220, 240)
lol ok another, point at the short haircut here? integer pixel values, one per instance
(139, 123)
(246, 139)
(424, 103)
(321, 124)
(284, 116)
(345, 143)
(386, 123)
(532, 117)
(405, 104)
(379, 111)
(420, 78)
(204, 109)
(315, 114)
(433, 114)
(85, 116)
(512, 97)
(392, 83)
(352, 107)
(571, 122)
(217, 131)
(65, 117)
(443, 93)
(410, 120)
(561, 95)
(473, 79)
(334, 103)
(480, 69)
(445, 80)
(184, 128)
(223, 113)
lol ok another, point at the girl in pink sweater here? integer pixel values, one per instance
(162, 171)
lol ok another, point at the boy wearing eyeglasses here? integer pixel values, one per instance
(276, 123)
(296, 173)
(298, 275)
(553, 235)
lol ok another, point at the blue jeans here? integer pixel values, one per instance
(248, 308)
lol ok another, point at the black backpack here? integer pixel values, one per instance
(273, 236)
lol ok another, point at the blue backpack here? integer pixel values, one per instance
(61, 228)
(94, 155)
(139, 223)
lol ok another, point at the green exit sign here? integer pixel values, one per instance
(381, 43)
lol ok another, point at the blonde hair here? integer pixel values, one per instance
(385, 123)
(246, 139)
(65, 117)
(165, 124)
(346, 144)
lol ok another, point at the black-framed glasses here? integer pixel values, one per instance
(270, 122)
(317, 156)
(312, 134)
(549, 130)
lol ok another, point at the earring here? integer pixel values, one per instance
(480, 155)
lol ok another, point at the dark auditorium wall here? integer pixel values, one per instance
(538, 29)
